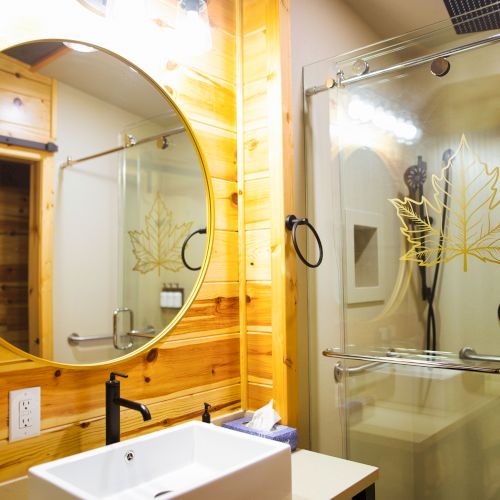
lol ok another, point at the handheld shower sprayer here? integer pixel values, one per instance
(414, 178)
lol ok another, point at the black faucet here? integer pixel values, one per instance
(113, 403)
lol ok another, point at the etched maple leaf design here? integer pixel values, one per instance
(159, 244)
(472, 227)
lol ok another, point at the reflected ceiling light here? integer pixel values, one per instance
(403, 129)
(192, 29)
(79, 47)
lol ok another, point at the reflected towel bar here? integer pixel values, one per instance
(392, 357)
(131, 143)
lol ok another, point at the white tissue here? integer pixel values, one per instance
(264, 418)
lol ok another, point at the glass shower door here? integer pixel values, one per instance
(162, 202)
(408, 166)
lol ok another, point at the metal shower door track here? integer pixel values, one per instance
(406, 64)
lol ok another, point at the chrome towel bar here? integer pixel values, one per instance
(75, 338)
(470, 354)
(339, 370)
(393, 358)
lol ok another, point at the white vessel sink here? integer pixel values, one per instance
(192, 461)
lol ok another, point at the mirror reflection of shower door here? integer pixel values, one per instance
(415, 235)
(163, 200)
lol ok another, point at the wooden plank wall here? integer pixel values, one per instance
(200, 360)
(268, 175)
(14, 233)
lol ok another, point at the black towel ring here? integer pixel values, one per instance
(291, 223)
(203, 230)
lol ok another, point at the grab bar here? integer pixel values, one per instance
(339, 370)
(470, 354)
(116, 336)
(391, 357)
(75, 338)
(149, 333)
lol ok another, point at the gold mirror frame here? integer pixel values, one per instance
(210, 207)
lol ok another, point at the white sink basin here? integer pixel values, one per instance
(192, 461)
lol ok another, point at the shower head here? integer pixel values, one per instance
(447, 155)
(471, 16)
(415, 176)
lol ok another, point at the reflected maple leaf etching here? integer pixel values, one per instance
(473, 226)
(159, 244)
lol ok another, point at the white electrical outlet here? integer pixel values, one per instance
(24, 413)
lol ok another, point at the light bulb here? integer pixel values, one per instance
(192, 31)
(79, 47)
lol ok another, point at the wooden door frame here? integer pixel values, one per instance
(41, 225)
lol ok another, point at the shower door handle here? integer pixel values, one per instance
(470, 354)
(116, 341)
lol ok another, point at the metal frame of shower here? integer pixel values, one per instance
(341, 81)
(130, 142)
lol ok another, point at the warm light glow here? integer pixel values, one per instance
(79, 47)
(386, 120)
(192, 31)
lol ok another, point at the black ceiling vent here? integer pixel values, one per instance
(471, 16)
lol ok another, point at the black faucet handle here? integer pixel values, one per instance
(112, 375)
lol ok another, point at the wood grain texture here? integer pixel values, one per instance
(170, 368)
(256, 151)
(223, 264)
(259, 395)
(85, 434)
(260, 350)
(226, 204)
(219, 148)
(258, 249)
(215, 310)
(268, 155)
(283, 261)
(258, 203)
(259, 306)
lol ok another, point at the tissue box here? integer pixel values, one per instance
(280, 433)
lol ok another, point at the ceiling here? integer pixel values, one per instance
(96, 73)
(390, 18)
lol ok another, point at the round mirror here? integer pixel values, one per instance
(105, 205)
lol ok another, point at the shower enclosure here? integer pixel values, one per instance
(403, 155)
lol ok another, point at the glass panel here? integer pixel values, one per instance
(418, 163)
(163, 201)
(403, 171)
(432, 432)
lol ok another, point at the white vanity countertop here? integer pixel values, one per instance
(314, 477)
(321, 477)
